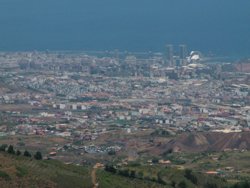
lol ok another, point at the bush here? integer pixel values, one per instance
(190, 176)
(3, 147)
(155, 160)
(132, 174)
(21, 171)
(111, 152)
(124, 172)
(110, 168)
(159, 179)
(26, 154)
(140, 175)
(210, 185)
(4, 175)
(18, 153)
(11, 150)
(38, 155)
(245, 184)
(182, 184)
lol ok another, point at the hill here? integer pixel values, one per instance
(19, 171)
(209, 141)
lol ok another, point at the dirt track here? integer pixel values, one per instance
(93, 174)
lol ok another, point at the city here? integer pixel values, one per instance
(84, 109)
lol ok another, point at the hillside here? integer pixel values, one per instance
(25, 172)
(19, 171)
(209, 141)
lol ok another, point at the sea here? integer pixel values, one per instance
(217, 27)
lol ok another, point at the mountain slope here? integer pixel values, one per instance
(210, 141)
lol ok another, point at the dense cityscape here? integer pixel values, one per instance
(97, 107)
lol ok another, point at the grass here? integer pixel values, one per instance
(109, 180)
(5, 176)
(24, 172)
(21, 171)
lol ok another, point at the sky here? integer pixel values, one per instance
(217, 26)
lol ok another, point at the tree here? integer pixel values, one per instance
(26, 154)
(11, 150)
(124, 172)
(155, 160)
(18, 153)
(110, 168)
(244, 184)
(38, 155)
(112, 152)
(160, 179)
(190, 176)
(140, 175)
(182, 184)
(210, 185)
(132, 174)
(3, 147)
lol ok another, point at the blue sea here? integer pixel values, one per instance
(220, 27)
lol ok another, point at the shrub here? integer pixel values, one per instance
(140, 175)
(18, 153)
(124, 172)
(110, 168)
(159, 179)
(3, 147)
(26, 154)
(11, 150)
(111, 152)
(132, 174)
(155, 160)
(245, 184)
(182, 184)
(210, 185)
(38, 155)
(4, 175)
(21, 171)
(190, 176)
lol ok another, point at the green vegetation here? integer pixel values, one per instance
(18, 153)
(110, 180)
(11, 150)
(26, 154)
(38, 155)
(161, 133)
(162, 177)
(3, 147)
(5, 176)
(20, 171)
(27, 171)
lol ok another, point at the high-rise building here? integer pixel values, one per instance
(183, 51)
(117, 57)
(183, 54)
(169, 54)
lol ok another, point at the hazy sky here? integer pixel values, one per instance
(220, 26)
